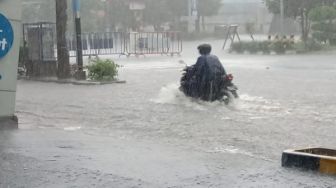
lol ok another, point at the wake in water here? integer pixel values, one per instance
(254, 107)
(171, 94)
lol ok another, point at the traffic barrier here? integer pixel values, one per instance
(94, 44)
(149, 43)
(134, 43)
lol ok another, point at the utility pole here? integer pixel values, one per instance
(282, 15)
(80, 74)
(62, 50)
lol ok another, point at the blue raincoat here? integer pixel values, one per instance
(205, 80)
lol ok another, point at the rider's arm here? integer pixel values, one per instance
(199, 65)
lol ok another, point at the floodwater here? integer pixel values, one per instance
(147, 134)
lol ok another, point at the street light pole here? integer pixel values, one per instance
(80, 74)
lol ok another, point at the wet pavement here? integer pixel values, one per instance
(146, 134)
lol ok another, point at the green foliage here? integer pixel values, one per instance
(322, 14)
(156, 13)
(103, 70)
(33, 11)
(279, 47)
(312, 45)
(298, 8)
(324, 28)
(292, 7)
(253, 47)
(208, 7)
(238, 47)
(177, 8)
(99, 15)
(117, 12)
(266, 47)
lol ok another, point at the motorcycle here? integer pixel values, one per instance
(229, 89)
(189, 86)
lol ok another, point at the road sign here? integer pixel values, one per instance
(6, 36)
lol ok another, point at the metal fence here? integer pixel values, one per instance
(39, 49)
(40, 39)
(94, 44)
(135, 43)
(162, 43)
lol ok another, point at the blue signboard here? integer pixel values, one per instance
(6, 36)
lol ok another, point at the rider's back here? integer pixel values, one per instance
(209, 66)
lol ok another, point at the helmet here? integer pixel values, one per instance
(204, 49)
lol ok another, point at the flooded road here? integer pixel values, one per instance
(147, 134)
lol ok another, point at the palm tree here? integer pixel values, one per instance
(63, 71)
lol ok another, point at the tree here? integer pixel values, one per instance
(177, 9)
(62, 51)
(38, 11)
(120, 14)
(101, 15)
(156, 13)
(207, 8)
(324, 25)
(298, 9)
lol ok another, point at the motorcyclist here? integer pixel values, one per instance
(209, 73)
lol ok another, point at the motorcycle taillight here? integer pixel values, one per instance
(229, 77)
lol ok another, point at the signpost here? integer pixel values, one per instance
(6, 36)
(10, 30)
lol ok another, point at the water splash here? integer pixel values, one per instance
(169, 94)
(258, 104)
(72, 128)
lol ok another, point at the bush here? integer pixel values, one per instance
(282, 46)
(312, 45)
(253, 47)
(103, 70)
(265, 47)
(322, 13)
(279, 47)
(238, 47)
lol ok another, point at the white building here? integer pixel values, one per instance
(241, 12)
(238, 12)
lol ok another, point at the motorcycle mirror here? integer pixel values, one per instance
(182, 62)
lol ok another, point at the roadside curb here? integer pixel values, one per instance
(9, 123)
(316, 159)
(74, 82)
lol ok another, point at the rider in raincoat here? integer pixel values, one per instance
(205, 78)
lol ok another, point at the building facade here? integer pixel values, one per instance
(241, 12)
